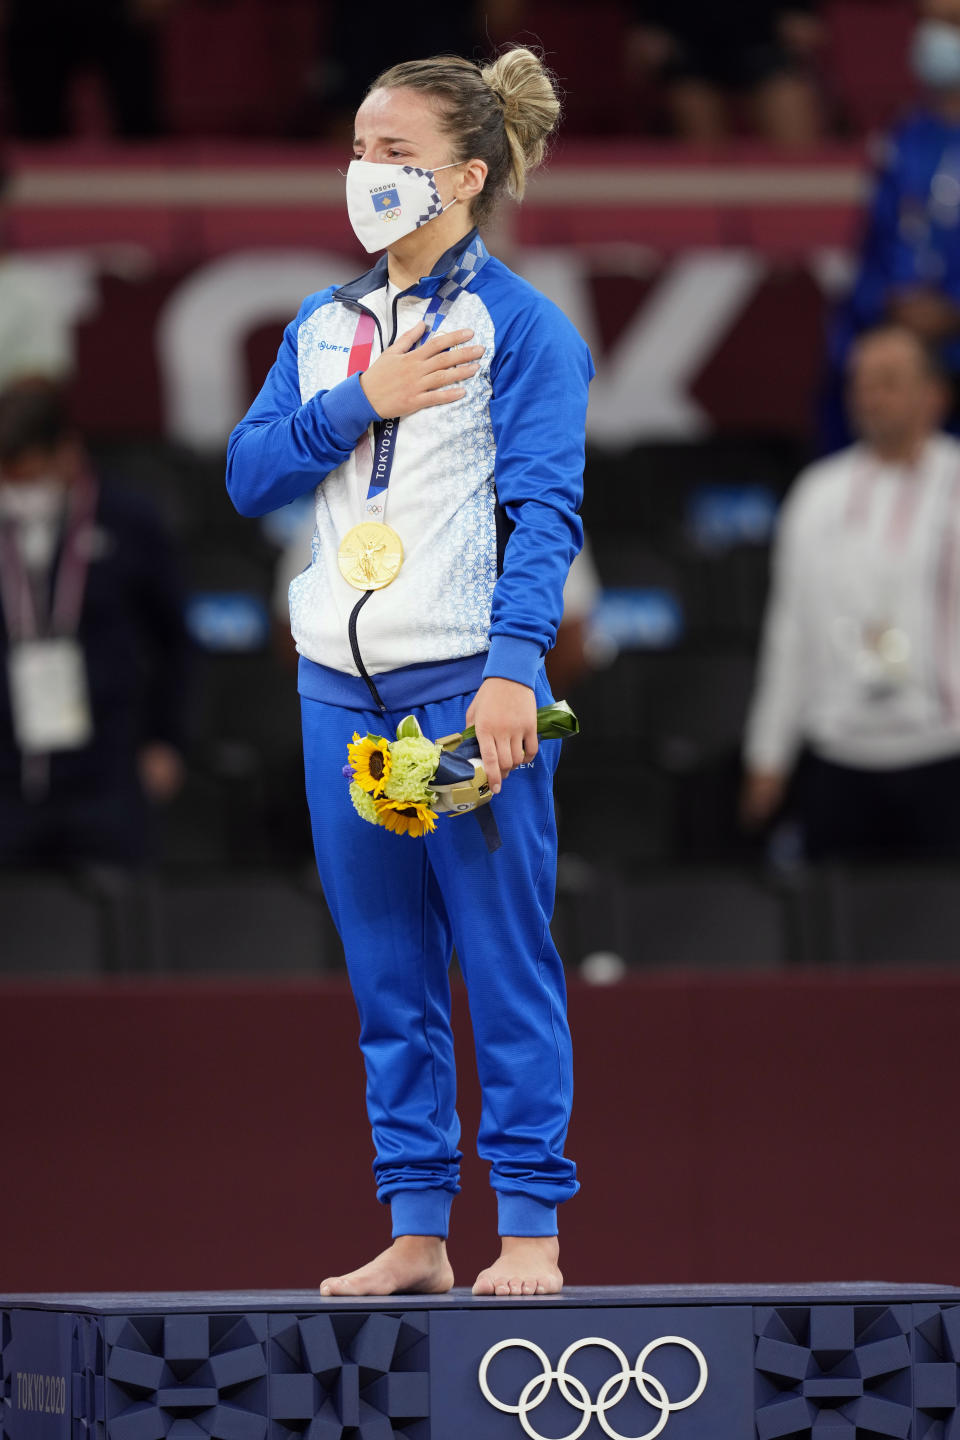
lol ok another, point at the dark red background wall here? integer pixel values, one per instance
(735, 1128)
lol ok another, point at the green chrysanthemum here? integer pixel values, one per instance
(363, 804)
(413, 764)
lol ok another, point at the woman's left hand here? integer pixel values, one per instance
(504, 714)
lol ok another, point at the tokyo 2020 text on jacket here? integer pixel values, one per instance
(484, 491)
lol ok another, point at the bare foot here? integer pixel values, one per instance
(413, 1264)
(527, 1266)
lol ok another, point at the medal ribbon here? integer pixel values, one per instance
(360, 352)
(362, 347)
(16, 591)
(470, 263)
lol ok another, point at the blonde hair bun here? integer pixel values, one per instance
(531, 109)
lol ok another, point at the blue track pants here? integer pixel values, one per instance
(401, 905)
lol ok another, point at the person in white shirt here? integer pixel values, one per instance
(859, 672)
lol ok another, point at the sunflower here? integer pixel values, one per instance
(370, 762)
(406, 817)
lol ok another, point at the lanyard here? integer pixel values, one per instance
(903, 509)
(469, 264)
(16, 591)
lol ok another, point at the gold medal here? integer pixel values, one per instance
(370, 555)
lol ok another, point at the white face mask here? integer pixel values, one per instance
(935, 54)
(386, 202)
(31, 500)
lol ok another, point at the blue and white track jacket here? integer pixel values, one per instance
(484, 492)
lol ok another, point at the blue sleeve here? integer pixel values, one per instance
(283, 446)
(948, 247)
(540, 374)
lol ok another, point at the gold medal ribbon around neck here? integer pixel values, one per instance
(370, 554)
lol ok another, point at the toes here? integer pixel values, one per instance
(488, 1282)
(339, 1285)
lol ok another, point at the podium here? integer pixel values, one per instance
(716, 1362)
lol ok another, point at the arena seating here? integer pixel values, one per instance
(246, 67)
(206, 921)
(658, 874)
(50, 926)
(242, 923)
(273, 46)
(868, 96)
(870, 916)
(274, 922)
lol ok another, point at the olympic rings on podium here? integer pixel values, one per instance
(576, 1394)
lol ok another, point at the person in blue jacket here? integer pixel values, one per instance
(437, 405)
(909, 267)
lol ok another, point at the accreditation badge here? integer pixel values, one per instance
(49, 695)
(883, 660)
(370, 555)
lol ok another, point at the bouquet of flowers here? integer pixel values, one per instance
(404, 784)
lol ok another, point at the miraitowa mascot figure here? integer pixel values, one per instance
(436, 406)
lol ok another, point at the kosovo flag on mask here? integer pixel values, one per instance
(386, 200)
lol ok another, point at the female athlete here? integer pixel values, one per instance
(437, 406)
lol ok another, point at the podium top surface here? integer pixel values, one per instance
(583, 1296)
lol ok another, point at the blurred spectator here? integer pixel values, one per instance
(756, 56)
(910, 257)
(390, 33)
(47, 42)
(92, 687)
(570, 661)
(861, 651)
